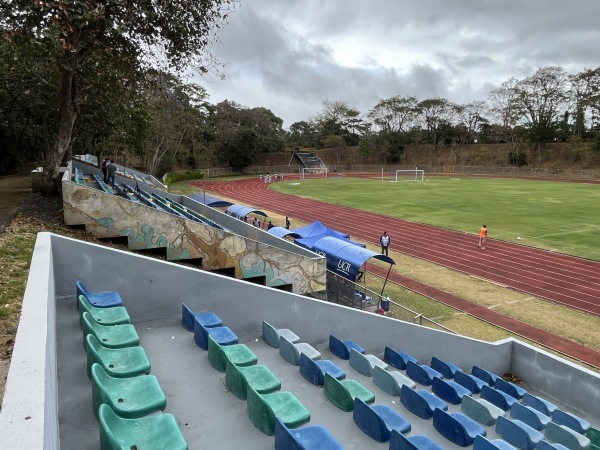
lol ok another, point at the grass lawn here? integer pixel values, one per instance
(552, 215)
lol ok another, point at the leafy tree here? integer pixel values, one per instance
(303, 134)
(241, 134)
(137, 31)
(28, 84)
(433, 112)
(585, 97)
(394, 117)
(338, 119)
(504, 111)
(538, 100)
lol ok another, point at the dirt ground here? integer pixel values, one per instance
(17, 198)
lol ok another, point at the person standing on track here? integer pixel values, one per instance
(482, 237)
(385, 243)
(287, 223)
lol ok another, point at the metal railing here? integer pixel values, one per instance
(507, 171)
(369, 300)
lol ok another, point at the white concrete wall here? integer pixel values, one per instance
(152, 289)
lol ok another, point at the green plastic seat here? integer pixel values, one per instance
(238, 379)
(113, 336)
(157, 432)
(117, 362)
(116, 315)
(342, 393)
(129, 398)
(239, 354)
(264, 409)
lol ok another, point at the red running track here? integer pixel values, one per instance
(567, 280)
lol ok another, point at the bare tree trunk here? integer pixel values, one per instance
(67, 114)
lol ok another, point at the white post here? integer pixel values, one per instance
(382, 174)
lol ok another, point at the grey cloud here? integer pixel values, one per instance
(285, 55)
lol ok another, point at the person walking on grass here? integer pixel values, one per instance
(385, 243)
(482, 237)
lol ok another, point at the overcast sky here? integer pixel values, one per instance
(290, 55)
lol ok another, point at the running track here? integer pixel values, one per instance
(569, 281)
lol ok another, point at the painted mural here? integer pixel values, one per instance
(106, 215)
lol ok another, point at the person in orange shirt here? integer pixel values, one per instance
(482, 237)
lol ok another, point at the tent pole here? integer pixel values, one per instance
(385, 281)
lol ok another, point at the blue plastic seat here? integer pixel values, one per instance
(156, 432)
(529, 415)
(545, 445)
(510, 388)
(566, 436)
(271, 335)
(378, 421)
(314, 371)
(304, 438)
(419, 442)
(100, 299)
(518, 433)
(365, 364)
(221, 335)
(567, 419)
(498, 398)
(481, 410)
(447, 369)
(291, 351)
(456, 427)
(397, 359)
(341, 348)
(449, 391)
(485, 375)
(542, 405)
(391, 381)
(422, 374)
(421, 403)
(207, 318)
(470, 382)
(482, 443)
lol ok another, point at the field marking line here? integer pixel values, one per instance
(567, 232)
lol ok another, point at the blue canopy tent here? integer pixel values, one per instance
(241, 211)
(310, 241)
(317, 228)
(346, 259)
(283, 232)
(210, 200)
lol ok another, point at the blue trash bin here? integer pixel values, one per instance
(385, 303)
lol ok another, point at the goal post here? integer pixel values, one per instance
(314, 172)
(409, 175)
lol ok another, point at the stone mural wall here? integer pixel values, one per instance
(106, 215)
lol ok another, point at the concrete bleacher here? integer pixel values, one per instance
(153, 291)
(310, 160)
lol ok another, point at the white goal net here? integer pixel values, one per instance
(408, 175)
(314, 172)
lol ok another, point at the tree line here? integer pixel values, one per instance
(105, 79)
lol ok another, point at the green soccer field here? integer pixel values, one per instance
(558, 216)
